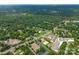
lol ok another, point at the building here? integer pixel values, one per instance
(52, 37)
(55, 42)
(35, 47)
(12, 42)
(44, 41)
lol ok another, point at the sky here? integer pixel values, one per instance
(39, 1)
